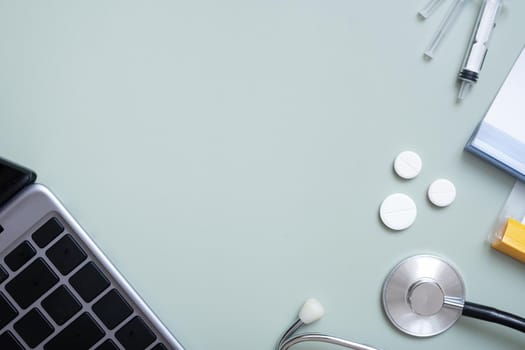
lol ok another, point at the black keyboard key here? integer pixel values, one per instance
(89, 282)
(20, 255)
(7, 312)
(47, 232)
(61, 305)
(112, 309)
(9, 342)
(33, 328)
(135, 335)
(107, 345)
(31, 283)
(159, 347)
(66, 254)
(3, 274)
(81, 334)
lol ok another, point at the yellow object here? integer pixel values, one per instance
(512, 240)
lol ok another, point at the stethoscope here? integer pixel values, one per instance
(422, 296)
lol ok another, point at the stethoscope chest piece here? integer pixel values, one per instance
(423, 296)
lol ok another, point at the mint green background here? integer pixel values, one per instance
(230, 157)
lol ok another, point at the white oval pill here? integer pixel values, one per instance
(442, 193)
(408, 164)
(398, 211)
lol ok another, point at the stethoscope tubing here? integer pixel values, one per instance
(288, 339)
(323, 338)
(490, 314)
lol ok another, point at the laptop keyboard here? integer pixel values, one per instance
(55, 296)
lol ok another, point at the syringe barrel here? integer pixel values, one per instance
(478, 47)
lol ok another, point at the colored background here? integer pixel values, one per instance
(230, 157)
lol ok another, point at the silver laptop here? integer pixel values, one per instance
(58, 291)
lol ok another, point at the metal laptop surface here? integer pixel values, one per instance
(59, 291)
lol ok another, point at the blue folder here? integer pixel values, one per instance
(500, 137)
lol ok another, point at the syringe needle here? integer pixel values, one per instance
(444, 27)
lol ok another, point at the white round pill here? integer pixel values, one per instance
(408, 164)
(398, 211)
(442, 193)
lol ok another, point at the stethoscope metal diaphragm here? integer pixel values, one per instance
(423, 295)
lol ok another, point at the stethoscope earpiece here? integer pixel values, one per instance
(311, 311)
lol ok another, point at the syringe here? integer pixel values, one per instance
(451, 16)
(477, 49)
